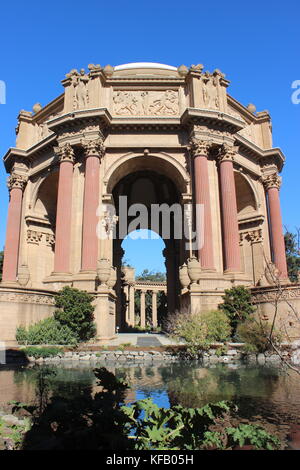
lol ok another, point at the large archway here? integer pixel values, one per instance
(139, 188)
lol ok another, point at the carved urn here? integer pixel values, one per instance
(113, 278)
(184, 276)
(103, 271)
(23, 275)
(128, 274)
(194, 269)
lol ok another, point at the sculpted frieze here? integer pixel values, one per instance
(145, 103)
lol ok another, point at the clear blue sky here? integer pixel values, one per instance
(255, 43)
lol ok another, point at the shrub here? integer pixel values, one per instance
(237, 305)
(256, 335)
(48, 331)
(200, 329)
(75, 310)
(42, 351)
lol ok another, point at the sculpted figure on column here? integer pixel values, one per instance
(272, 184)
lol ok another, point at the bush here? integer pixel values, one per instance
(199, 330)
(256, 335)
(237, 305)
(48, 331)
(76, 312)
(41, 352)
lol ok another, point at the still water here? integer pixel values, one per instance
(265, 395)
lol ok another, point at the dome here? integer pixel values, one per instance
(144, 65)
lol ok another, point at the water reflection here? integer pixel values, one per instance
(264, 394)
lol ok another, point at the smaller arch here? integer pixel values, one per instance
(45, 197)
(246, 196)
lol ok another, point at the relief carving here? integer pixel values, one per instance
(145, 103)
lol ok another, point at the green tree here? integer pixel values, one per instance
(292, 250)
(1, 263)
(75, 310)
(237, 305)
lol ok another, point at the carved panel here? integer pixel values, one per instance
(145, 103)
(26, 298)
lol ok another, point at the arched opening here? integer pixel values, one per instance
(246, 201)
(46, 199)
(152, 201)
(144, 280)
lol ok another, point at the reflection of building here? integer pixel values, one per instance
(155, 134)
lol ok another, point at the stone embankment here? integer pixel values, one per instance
(219, 353)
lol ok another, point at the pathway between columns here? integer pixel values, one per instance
(142, 339)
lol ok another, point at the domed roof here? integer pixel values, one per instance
(144, 65)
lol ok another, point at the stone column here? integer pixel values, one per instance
(131, 305)
(256, 239)
(232, 261)
(200, 149)
(16, 186)
(143, 308)
(272, 185)
(154, 309)
(64, 209)
(93, 151)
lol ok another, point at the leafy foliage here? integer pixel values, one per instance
(41, 351)
(237, 305)
(199, 330)
(256, 334)
(292, 250)
(75, 310)
(48, 331)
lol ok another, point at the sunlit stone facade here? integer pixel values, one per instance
(156, 134)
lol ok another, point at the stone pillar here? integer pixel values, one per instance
(131, 305)
(256, 239)
(143, 308)
(154, 309)
(64, 209)
(16, 186)
(200, 149)
(272, 185)
(93, 151)
(126, 299)
(232, 261)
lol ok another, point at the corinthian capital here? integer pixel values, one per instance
(271, 181)
(199, 147)
(94, 147)
(65, 153)
(226, 153)
(16, 181)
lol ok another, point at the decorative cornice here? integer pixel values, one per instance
(271, 181)
(65, 153)
(94, 148)
(16, 181)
